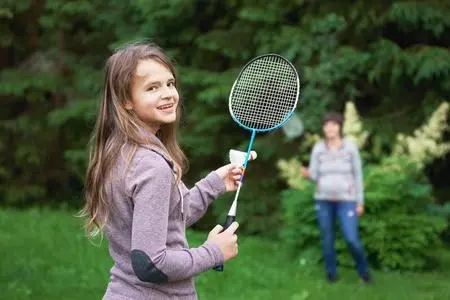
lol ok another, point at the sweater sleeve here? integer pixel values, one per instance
(151, 186)
(358, 174)
(314, 162)
(199, 197)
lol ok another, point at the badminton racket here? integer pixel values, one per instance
(263, 97)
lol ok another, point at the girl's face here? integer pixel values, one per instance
(331, 130)
(154, 97)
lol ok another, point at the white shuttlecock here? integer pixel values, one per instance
(238, 157)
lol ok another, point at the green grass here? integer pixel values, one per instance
(44, 255)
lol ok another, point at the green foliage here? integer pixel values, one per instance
(412, 16)
(385, 57)
(442, 211)
(300, 231)
(397, 231)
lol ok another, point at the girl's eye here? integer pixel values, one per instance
(152, 88)
(171, 84)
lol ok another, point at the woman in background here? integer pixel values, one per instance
(336, 168)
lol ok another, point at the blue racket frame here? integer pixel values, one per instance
(232, 217)
(253, 130)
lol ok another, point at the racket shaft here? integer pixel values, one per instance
(232, 213)
(233, 208)
(229, 220)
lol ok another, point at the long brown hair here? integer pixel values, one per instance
(117, 127)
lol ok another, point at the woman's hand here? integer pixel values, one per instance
(305, 172)
(360, 209)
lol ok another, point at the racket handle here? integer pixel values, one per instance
(229, 220)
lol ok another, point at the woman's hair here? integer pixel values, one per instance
(334, 117)
(117, 127)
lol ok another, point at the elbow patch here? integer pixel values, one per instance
(145, 269)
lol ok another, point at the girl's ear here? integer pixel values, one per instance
(128, 105)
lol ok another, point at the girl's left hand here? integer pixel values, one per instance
(230, 174)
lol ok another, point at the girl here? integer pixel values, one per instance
(336, 168)
(133, 187)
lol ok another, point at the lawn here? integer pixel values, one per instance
(44, 255)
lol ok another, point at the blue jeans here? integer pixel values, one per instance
(327, 211)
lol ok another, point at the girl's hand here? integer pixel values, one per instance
(226, 240)
(231, 175)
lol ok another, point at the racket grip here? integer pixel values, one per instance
(229, 220)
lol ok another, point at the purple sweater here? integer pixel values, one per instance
(146, 234)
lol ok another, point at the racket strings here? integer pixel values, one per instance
(265, 93)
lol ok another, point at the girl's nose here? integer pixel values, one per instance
(167, 92)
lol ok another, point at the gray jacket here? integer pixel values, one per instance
(338, 174)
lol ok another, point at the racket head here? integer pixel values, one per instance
(265, 93)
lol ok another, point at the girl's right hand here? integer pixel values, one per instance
(226, 240)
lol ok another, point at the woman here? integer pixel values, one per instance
(335, 166)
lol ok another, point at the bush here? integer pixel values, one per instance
(398, 230)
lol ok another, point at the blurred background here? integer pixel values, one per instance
(384, 64)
